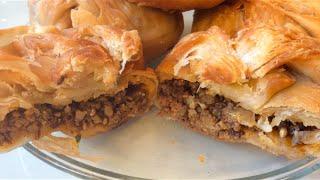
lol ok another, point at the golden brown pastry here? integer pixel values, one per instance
(238, 89)
(179, 4)
(7, 35)
(305, 12)
(80, 81)
(235, 15)
(159, 30)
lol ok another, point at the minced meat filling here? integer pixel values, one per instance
(109, 111)
(186, 102)
(209, 114)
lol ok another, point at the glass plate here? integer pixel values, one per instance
(154, 148)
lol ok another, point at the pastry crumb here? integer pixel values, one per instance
(202, 158)
(173, 141)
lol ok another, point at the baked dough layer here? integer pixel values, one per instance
(44, 73)
(178, 4)
(158, 30)
(299, 18)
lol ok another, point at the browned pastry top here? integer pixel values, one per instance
(179, 4)
(232, 16)
(58, 67)
(159, 30)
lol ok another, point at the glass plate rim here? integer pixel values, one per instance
(79, 169)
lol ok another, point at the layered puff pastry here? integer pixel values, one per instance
(234, 15)
(81, 81)
(300, 17)
(159, 30)
(305, 12)
(179, 4)
(245, 88)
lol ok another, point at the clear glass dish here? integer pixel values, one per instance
(150, 147)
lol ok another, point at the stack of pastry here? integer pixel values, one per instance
(249, 71)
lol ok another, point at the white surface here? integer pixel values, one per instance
(126, 149)
(21, 164)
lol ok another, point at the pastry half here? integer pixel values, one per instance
(242, 90)
(80, 81)
(179, 4)
(159, 30)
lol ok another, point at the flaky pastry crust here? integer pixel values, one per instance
(159, 30)
(7, 35)
(233, 16)
(305, 12)
(296, 19)
(252, 71)
(299, 18)
(179, 4)
(61, 67)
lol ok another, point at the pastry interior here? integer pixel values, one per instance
(104, 112)
(223, 118)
